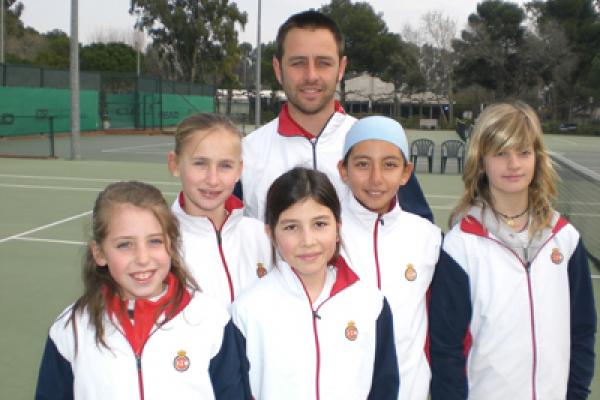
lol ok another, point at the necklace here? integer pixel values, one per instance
(510, 219)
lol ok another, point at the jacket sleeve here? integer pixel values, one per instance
(228, 369)
(449, 318)
(55, 380)
(386, 378)
(412, 199)
(583, 325)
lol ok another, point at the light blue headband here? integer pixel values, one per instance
(376, 128)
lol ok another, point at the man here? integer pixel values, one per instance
(312, 125)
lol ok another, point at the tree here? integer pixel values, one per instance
(404, 72)
(490, 52)
(579, 21)
(369, 44)
(114, 57)
(440, 30)
(55, 52)
(196, 37)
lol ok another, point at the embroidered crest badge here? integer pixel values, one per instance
(556, 256)
(260, 270)
(411, 273)
(351, 331)
(181, 362)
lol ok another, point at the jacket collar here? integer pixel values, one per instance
(233, 206)
(146, 312)
(288, 127)
(365, 216)
(345, 277)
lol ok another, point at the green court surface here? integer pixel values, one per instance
(44, 223)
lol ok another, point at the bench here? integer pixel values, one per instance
(428, 124)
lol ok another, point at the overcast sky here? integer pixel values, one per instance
(96, 16)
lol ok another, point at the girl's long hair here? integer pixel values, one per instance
(96, 277)
(505, 126)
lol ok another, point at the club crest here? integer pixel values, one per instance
(351, 331)
(181, 362)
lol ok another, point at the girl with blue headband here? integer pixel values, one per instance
(388, 247)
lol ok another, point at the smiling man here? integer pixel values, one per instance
(311, 127)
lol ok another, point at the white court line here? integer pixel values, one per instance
(441, 207)
(595, 276)
(118, 149)
(71, 178)
(39, 228)
(75, 189)
(26, 239)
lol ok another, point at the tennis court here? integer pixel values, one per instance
(45, 212)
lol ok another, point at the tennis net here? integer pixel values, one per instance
(579, 202)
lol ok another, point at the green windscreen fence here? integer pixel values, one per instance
(26, 111)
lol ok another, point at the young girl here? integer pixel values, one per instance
(141, 330)
(512, 312)
(389, 248)
(312, 329)
(224, 250)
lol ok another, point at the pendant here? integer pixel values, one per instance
(510, 222)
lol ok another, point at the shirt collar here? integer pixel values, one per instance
(288, 127)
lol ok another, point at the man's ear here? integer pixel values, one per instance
(277, 69)
(172, 163)
(98, 255)
(343, 64)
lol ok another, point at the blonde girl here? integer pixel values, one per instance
(224, 250)
(512, 312)
(141, 329)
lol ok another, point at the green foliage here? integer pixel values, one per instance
(115, 57)
(55, 53)
(491, 52)
(196, 37)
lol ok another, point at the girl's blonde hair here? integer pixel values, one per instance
(505, 126)
(201, 122)
(96, 277)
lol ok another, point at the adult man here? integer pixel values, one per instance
(312, 125)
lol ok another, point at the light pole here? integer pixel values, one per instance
(258, 60)
(2, 32)
(74, 78)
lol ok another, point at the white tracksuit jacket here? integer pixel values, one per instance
(282, 145)
(201, 336)
(225, 261)
(396, 252)
(340, 349)
(507, 327)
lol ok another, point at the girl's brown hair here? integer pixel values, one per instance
(294, 186)
(203, 122)
(505, 126)
(96, 277)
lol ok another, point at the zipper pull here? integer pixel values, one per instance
(138, 362)
(219, 240)
(315, 315)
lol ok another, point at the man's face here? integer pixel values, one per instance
(309, 70)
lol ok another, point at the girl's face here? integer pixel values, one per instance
(306, 236)
(374, 172)
(135, 252)
(209, 167)
(510, 172)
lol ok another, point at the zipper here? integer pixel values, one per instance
(376, 250)
(224, 263)
(313, 141)
(533, 339)
(527, 266)
(138, 363)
